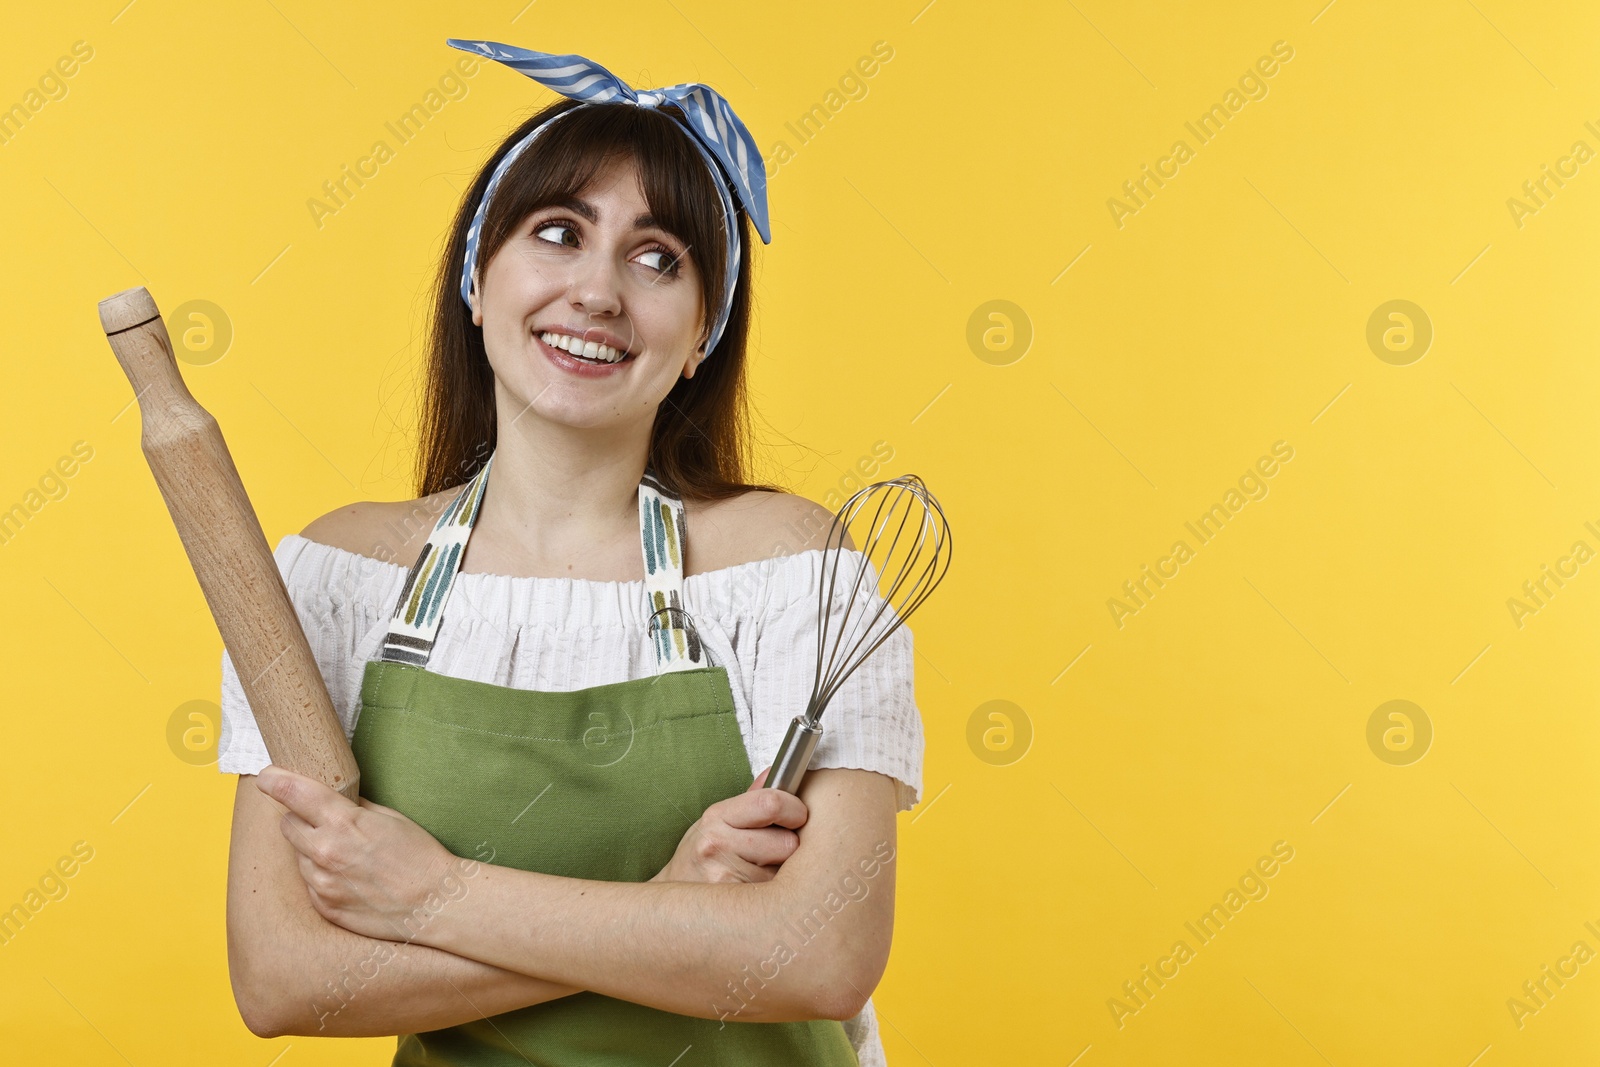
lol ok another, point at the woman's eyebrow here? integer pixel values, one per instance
(586, 209)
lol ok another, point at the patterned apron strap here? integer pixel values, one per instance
(420, 608)
(663, 532)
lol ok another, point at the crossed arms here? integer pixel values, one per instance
(329, 954)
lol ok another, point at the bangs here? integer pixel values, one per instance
(673, 177)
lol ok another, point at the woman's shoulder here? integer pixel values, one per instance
(390, 530)
(752, 526)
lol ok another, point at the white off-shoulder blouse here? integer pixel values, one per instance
(757, 619)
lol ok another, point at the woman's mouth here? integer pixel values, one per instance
(585, 358)
(578, 348)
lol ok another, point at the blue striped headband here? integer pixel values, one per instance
(721, 138)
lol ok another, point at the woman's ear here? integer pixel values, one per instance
(472, 299)
(696, 358)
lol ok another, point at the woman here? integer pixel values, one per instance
(520, 696)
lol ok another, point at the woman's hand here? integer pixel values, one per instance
(368, 868)
(745, 838)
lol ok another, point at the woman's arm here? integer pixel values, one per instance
(810, 943)
(293, 972)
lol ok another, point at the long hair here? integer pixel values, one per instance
(699, 442)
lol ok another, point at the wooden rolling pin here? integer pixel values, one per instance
(228, 551)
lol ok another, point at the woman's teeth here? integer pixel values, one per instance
(592, 351)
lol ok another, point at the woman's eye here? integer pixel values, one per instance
(666, 262)
(555, 227)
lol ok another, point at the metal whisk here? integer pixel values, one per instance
(907, 550)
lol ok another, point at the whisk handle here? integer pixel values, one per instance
(794, 755)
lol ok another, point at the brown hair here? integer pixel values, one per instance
(699, 442)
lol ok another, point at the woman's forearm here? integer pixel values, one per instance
(713, 951)
(333, 983)
(294, 972)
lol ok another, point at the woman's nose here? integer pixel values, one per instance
(594, 286)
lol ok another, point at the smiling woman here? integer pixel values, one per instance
(697, 442)
(564, 683)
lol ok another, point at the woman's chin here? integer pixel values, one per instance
(543, 405)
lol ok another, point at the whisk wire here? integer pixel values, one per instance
(843, 649)
(854, 600)
(829, 653)
(838, 658)
(917, 583)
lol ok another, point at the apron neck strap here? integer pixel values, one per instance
(663, 533)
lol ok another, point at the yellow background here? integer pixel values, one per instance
(1229, 313)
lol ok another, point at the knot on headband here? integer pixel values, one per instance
(722, 140)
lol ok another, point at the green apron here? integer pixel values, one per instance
(597, 783)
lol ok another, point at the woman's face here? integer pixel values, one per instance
(591, 270)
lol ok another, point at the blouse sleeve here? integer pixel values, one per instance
(871, 723)
(332, 631)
